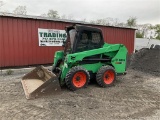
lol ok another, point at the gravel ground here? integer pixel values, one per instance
(134, 96)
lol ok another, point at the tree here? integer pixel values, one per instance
(132, 21)
(106, 21)
(115, 22)
(101, 21)
(20, 10)
(52, 14)
(139, 34)
(121, 24)
(43, 15)
(157, 28)
(68, 17)
(63, 17)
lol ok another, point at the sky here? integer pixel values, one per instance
(146, 11)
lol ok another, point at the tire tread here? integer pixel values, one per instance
(100, 73)
(70, 74)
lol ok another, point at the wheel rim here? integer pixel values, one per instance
(79, 79)
(108, 77)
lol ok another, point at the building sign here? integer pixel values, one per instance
(51, 37)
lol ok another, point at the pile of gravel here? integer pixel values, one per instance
(146, 60)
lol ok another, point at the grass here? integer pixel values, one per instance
(9, 72)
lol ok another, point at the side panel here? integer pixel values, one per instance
(116, 52)
(107, 48)
(119, 61)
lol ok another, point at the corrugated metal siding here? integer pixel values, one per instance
(118, 35)
(19, 40)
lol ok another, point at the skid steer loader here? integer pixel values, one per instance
(85, 55)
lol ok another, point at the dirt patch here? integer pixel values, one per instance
(146, 60)
(134, 96)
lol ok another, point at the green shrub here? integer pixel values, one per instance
(158, 37)
(139, 35)
(9, 72)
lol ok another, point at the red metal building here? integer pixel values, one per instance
(19, 39)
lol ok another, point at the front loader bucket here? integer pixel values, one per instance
(39, 81)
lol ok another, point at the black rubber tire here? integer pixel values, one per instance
(100, 76)
(70, 75)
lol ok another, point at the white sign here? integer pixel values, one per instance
(51, 37)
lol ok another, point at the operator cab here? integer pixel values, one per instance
(83, 38)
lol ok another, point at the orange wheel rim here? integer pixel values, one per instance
(79, 79)
(108, 77)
